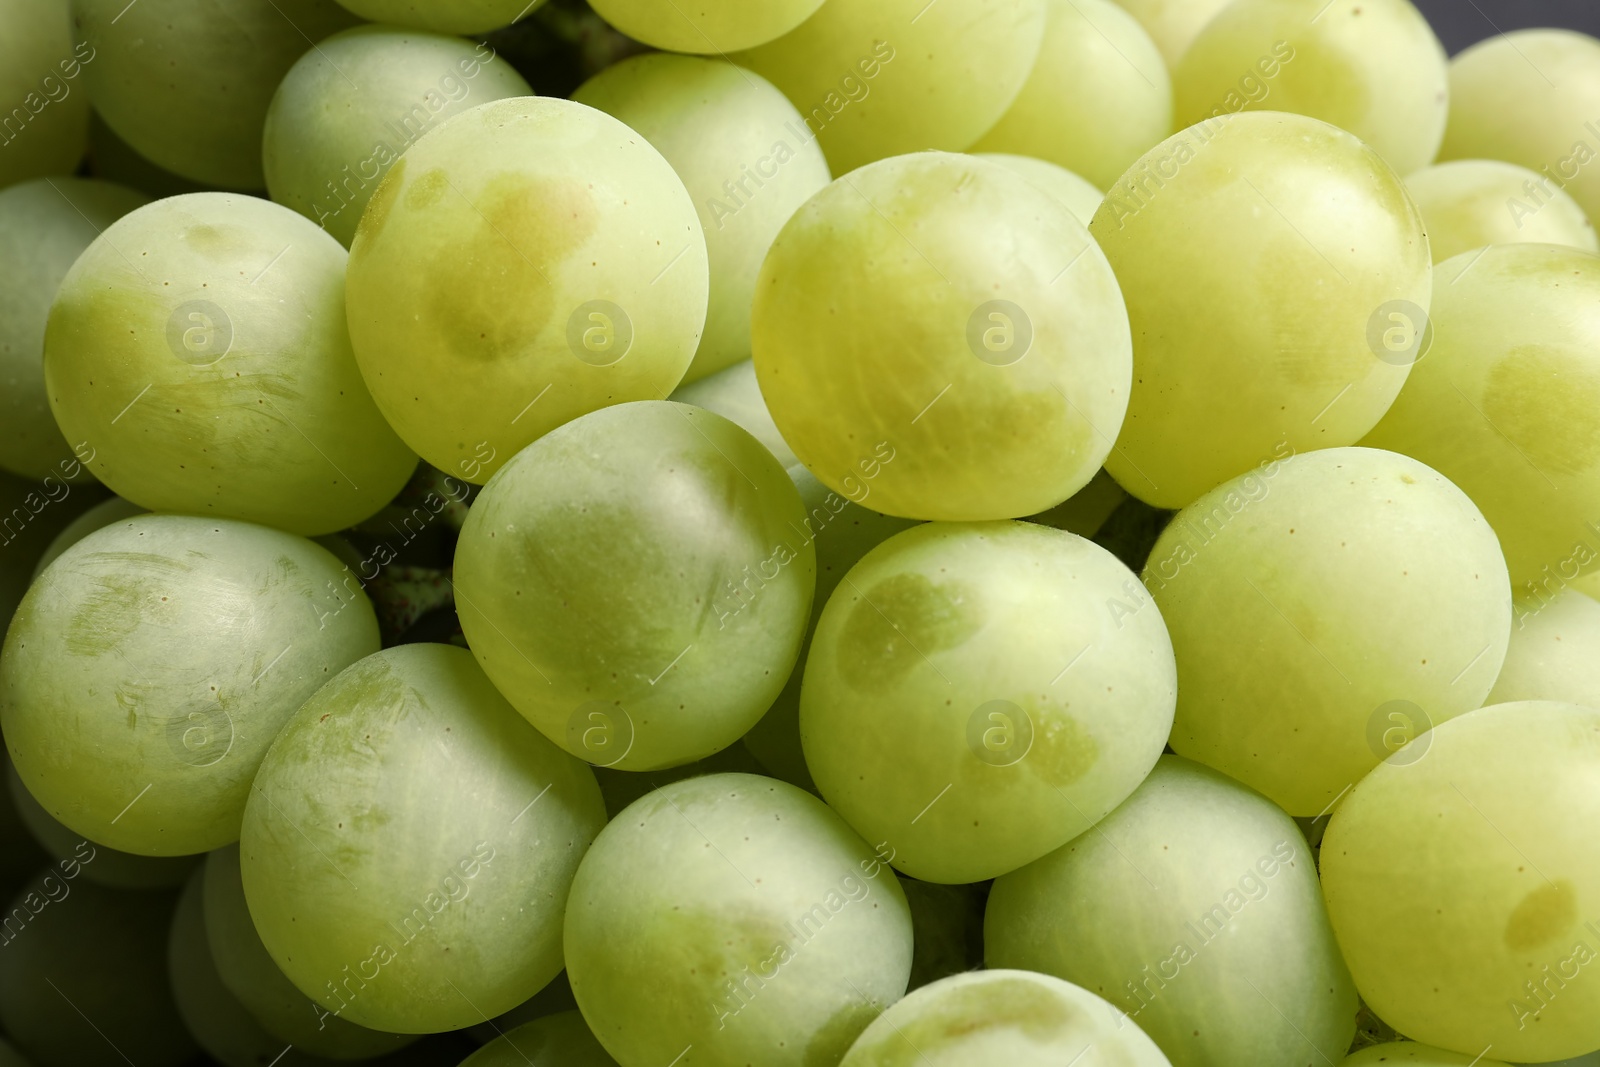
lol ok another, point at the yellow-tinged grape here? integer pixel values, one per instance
(1173, 24)
(199, 349)
(528, 261)
(735, 394)
(410, 842)
(1080, 197)
(1469, 203)
(1098, 97)
(1554, 653)
(1324, 610)
(898, 343)
(737, 915)
(562, 1040)
(1264, 259)
(978, 695)
(44, 226)
(1464, 887)
(1013, 1017)
(1372, 67)
(706, 26)
(1531, 97)
(83, 978)
(453, 16)
(188, 85)
(637, 583)
(347, 110)
(745, 156)
(44, 126)
(1506, 404)
(150, 666)
(103, 514)
(1418, 1055)
(878, 78)
(1178, 909)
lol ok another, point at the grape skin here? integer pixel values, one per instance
(708, 26)
(1470, 203)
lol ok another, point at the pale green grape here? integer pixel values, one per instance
(1079, 197)
(1531, 97)
(44, 126)
(637, 583)
(1372, 67)
(199, 350)
(562, 1040)
(745, 156)
(150, 666)
(1087, 510)
(1194, 908)
(1554, 652)
(1470, 203)
(31, 515)
(350, 106)
(1507, 404)
(1324, 610)
(247, 970)
(98, 863)
(1463, 885)
(1098, 98)
(978, 695)
(44, 226)
(103, 514)
(878, 78)
(409, 844)
(621, 788)
(452, 16)
(1012, 1017)
(737, 915)
(1173, 24)
(1264, 258)
(735, 394)
(1421, 1055)
(528, 261)
(83, 977)
(707, 26)
(900, 345)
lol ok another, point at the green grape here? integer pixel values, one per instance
(403, 788)
(1462, 885)
(44, 126)
(98, 863)
(1421, 1055)
(114, 160)
(878, 78)
(1324, 610)
(1265, 259)
(1531, 97)
(508, 268)
(961, 377)
(1372, 67)
(735, 394)
(83, 978)
(708, 26)
(1195, 909)
(691, 934)
(107, 512)
(621, 788)
(246, 969)
(1554, 652)
(1098, 97)
(562, 1040)
(1076, 194)
(347, 110)
(1470, 203)
(187, 85)
(199, 350)
(455, 16)
(1011, 1017)
(1173, 24)
(151, 665)
(743, 153)
(976, 696)
(44, 226)
(1087, 510)
(1505, 404)
(637, 583)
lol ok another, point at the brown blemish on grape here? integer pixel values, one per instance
(1542, 916)
(123, 591)
(383, 198)
(427, 190)
(1534, 388)
(900, 621)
